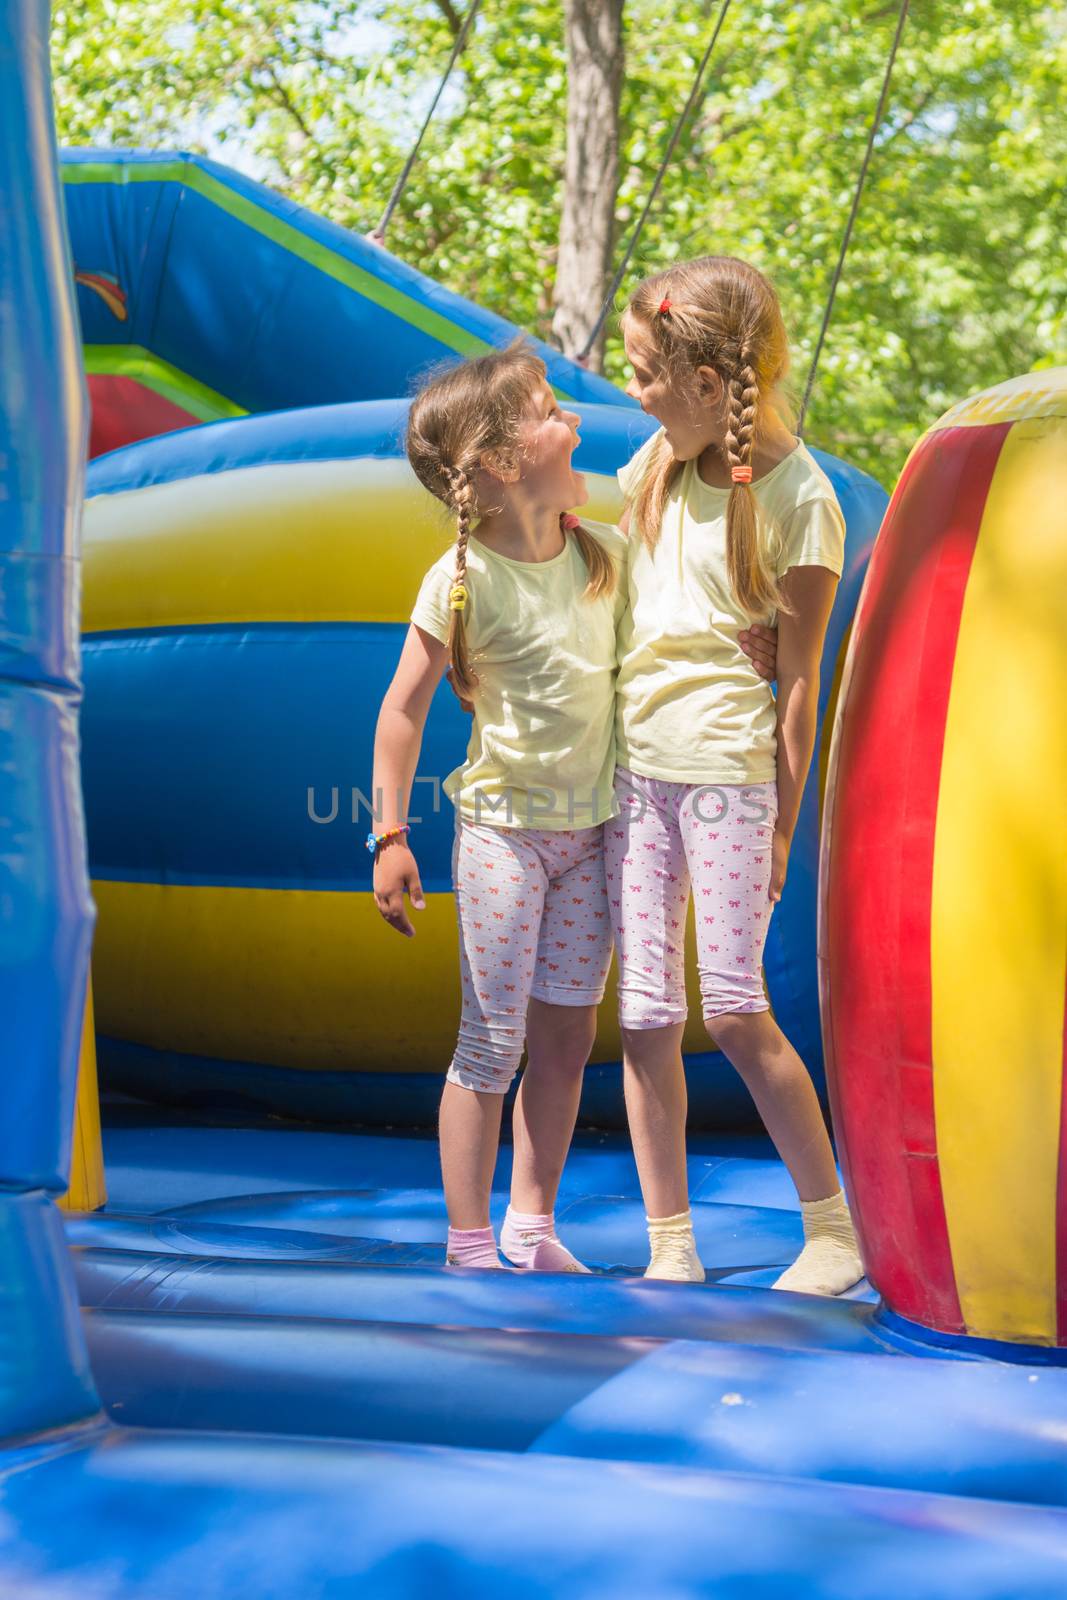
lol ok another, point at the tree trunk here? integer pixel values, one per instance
(587, 234)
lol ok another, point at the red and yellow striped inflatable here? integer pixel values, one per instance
(943, 883)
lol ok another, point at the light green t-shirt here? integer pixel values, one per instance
(691, 707)
(542, 747)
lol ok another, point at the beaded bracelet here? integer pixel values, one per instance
(375, 839)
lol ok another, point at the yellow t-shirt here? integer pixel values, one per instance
(542, 748)
(691, 707)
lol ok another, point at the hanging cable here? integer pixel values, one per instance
(836, 279)
(609, 299)
(377, 235)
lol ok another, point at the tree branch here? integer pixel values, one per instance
(436, 238)
(912, 117)
(451, 16)
(284, 99)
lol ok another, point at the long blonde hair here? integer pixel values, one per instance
(473, 410)
(721, 313)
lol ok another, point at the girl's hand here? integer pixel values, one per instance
(760, 645)
(395, 870)
(780, 848)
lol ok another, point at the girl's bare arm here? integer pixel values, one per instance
(801, 636)
(397, 743)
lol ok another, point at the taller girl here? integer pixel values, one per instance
(732, 523)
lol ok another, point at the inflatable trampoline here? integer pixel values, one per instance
(234, 1363)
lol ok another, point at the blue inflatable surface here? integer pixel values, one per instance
(314, 1520)
(250, 1287)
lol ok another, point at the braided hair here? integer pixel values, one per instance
(721, 313)
(461, 499)
(463, 414)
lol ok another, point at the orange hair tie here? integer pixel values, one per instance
(741, 474)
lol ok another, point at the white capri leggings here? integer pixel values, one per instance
(533, 924)
(672, 839)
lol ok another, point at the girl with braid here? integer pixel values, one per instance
(731, 524)
(523, 612)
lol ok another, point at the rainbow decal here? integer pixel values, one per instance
(107, 286)
(943, 893)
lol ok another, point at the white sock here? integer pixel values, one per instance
(674, 1250)
(830, 1261)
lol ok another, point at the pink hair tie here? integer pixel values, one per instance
(741, 474)
(569, 521)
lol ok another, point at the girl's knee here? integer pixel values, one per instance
(649, 1052)
(725, 1028)
(561, 1032)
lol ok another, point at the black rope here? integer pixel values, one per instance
(378, 233)
(664, 164)
(836, 279)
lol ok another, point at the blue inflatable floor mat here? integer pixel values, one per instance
(159, 1516)
(301, 1399)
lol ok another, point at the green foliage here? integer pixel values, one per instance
(955, 278)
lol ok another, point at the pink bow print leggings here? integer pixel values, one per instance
(533, 923)
(537, 911)
(671, 839)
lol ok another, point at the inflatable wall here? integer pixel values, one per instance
(943, 943)
(204, 295)
(46, 915)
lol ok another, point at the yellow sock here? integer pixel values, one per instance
(830, 1261)
(674, 1250)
